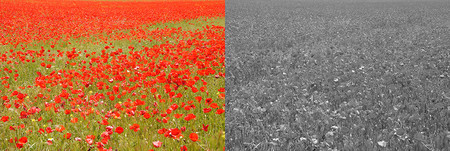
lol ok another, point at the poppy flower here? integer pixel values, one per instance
(174, 131)
(222, 95)
(205, 127)
(5, 118)
(187, 108)
(105, 135)
(214, 105)
(49, 142)
(23, 140)
(183, 148)
(23, 114)
(67, 135)
(174, 107)
(153, 90)
(105, 140)
(104, 122)
(74, 120)
(100, 145)
(206, 110)
(178, 115)
(157, 144)
(48, 130)
(147, 115)
(202, 89)
(41, 130)
(194, 89)
(208, 101)
(90, 139)
(60, 128)
(119, 130)
(109, 129)
(189, 117)
(19, 145)
(220, 111)
(162, 131)
(193, 137)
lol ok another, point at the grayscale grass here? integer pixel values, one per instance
(337, 76)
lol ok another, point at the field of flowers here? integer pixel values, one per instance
(334, 76)
(112, 75)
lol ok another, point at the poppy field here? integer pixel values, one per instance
(338, 76)
(112, 75)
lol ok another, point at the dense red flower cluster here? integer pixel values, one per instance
(27, 21)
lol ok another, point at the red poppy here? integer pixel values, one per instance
(60, 128)
(208, 101)
(135, 127)
(74, 120)
(183, 148)
(19, 145)
(194, 89)
(174, 131)
(220, 111)
(153, 90)
(178, 115)
(41, 130)
(214, 105)
(119, 130)
(5, 118)
(23, 114)
(147, 115)
(67, 135)
(48, 130)
(189, 117)
(222, 95)
(206, 110)
(49, 142)
(205, 127)
(193, 137)
(23, 140)
(104, 122)
(109, 129)
(90, 139)
(162, 131)
(157, 144)
(203, 89)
